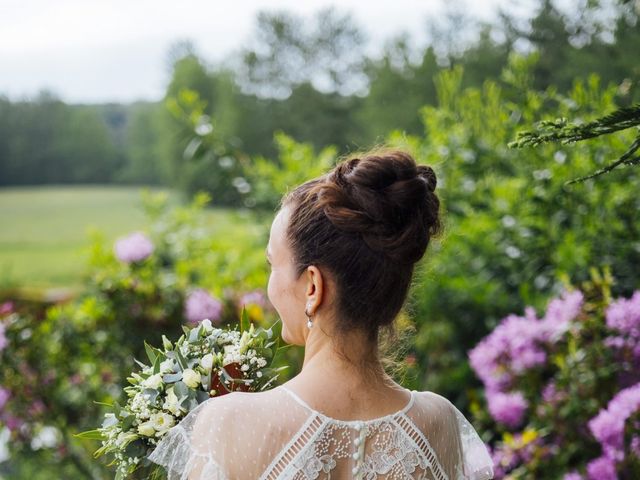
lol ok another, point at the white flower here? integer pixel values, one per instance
(259, 374)
(172, 403)
(207, 362)
(206, 323)
(154, 381)
(244, 367)
(167, 365)
(244, 342)
(146, 429)
(190, 378)
(162, 421)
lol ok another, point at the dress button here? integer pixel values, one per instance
(358, 426)
(355, 456)
(356, 441)
(354, 470)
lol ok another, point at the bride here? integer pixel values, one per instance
(342, 250)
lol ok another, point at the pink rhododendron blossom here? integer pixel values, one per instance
(602, 468)
(572, 476)
(200, 305)
(512, 348)
(133, 248)
(608, 426)
(6, 308)
(623, 315)
(507, 408)
(255, 297)
(560, 312)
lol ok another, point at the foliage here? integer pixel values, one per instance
(59, 361)
(549, 381)
(513, 230)
(562, 131)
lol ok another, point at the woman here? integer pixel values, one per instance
(342, 251)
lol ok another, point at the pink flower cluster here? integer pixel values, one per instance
(608, 428)
(515, 346)
(623, 317)
(200, 306)
(133, 248)
(255, 297)
(3, 338)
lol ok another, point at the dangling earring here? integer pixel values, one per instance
(309, 322)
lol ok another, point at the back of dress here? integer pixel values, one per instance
(277, 435)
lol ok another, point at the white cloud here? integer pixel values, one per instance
(102, 50)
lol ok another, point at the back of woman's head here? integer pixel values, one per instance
(367, 221)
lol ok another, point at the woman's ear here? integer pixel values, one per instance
(314, 287)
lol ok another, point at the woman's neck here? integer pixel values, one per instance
(354, 360)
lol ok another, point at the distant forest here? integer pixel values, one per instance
(310, 78)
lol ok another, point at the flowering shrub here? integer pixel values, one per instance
(204, 362)
(61, 364)
(564, 389)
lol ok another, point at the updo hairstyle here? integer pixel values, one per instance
(367, 221)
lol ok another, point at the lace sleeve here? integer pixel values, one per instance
(476, 463)
(186, 453)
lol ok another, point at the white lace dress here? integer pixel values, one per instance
(277, 435)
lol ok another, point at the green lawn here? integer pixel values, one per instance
(45, 229)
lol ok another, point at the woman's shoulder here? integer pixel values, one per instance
(433, 401)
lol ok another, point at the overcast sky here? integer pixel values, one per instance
(116, 50)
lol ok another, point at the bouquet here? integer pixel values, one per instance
(205, 362)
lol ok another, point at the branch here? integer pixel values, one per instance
(560, 130)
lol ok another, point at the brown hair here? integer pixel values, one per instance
(367, 221)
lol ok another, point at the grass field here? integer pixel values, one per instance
(45, 229)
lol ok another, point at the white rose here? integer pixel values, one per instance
(146, 429)
(162, 421)
(190, 378)
(207, 362)
(154, 381)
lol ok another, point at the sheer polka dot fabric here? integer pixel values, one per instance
(278, 435)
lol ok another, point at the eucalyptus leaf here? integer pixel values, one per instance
(172, 377)
(150, 353)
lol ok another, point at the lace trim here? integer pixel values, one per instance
(304, 436)
(423, 444)
(178, 465)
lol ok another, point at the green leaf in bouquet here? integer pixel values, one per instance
(90, 434)
(244, 320)
(140, 364)
(180, 359)
(156, 365)
(103, 403)
(181, 390)
(192, 401)
(185, 329)
(150, 353)
(202, 396)
(166, 343)
(151, 394)
(194, 334)
(172, 377)
(127, 422)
